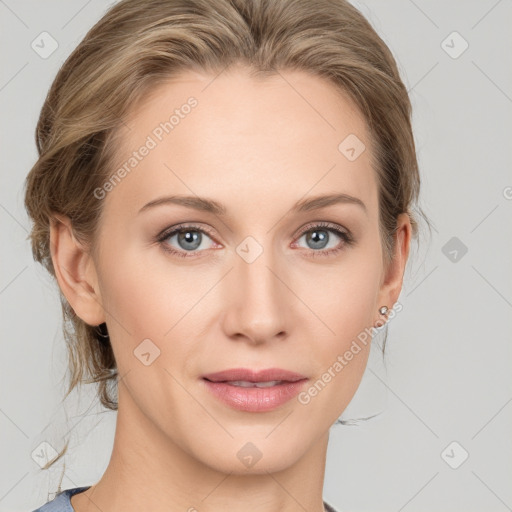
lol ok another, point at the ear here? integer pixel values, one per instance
(393, 278)
(75, 272)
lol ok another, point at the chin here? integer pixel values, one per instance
(253, 455)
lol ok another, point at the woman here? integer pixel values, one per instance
(225, 195)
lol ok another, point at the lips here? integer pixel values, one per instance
(254, 391)
(252, 376)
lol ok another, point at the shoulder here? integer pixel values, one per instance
(328, 507)
(61, 502)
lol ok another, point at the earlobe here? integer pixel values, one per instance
(75, 272)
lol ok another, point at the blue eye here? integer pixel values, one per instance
(190, 239)
(319, 237)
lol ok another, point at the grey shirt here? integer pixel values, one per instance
(62, 502)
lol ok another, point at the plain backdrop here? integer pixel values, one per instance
(442, 442)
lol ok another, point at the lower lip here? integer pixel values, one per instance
(255, 399)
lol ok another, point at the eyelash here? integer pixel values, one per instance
(346, 237)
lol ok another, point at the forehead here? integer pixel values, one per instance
(234, 136)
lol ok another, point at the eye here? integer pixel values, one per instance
(189, 239)
(319, 237)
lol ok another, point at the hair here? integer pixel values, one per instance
(140, 44)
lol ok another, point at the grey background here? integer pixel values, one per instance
(449, 352)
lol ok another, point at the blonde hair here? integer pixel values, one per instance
(139, 44)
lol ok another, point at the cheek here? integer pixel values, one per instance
(343, 298)
(342, 349)
(341, 295)
(148, 298)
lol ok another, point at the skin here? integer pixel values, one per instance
(257, 147)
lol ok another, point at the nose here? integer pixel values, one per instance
(258, 301)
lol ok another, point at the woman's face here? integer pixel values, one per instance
(268, 282)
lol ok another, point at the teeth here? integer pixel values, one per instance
(247, 384)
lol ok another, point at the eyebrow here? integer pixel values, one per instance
(211, 206)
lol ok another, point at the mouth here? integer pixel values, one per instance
(246, 375)
(254, 391)
(249, 384)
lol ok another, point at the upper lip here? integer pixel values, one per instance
(249, 375)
